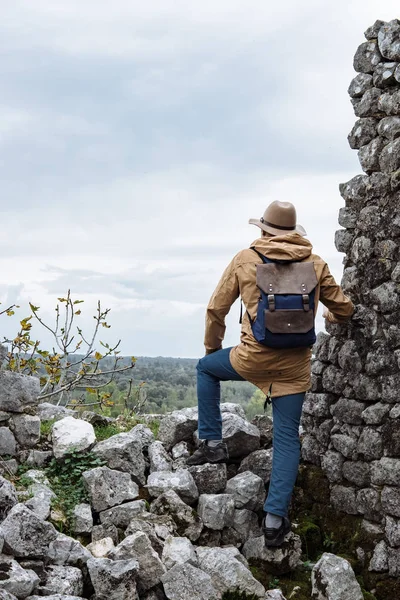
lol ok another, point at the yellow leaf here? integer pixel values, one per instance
(98, 356)
(78, 312)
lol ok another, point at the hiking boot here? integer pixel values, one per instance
(209, 454)
(275, 536)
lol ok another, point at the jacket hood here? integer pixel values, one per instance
(292, 246)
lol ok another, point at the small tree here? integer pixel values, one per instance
(67, 377)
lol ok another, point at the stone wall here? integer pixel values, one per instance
(351, 417)
(19, 422)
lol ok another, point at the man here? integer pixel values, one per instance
(281, 373)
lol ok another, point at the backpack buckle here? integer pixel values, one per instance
(271, 302)
(306, 302)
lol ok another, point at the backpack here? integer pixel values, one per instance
(285, 312)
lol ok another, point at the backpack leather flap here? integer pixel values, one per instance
(291, 278)
(289, 321)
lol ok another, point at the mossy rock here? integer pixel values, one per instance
(295, 585)
(311, 538)
(314, 483)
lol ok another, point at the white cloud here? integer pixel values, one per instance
(141, 137)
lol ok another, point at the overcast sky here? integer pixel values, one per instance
(138, 138)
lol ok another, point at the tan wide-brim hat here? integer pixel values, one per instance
(279, 218)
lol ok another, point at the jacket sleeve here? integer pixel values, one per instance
(340, 306)
(225, 294)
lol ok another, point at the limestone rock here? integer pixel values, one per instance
(8, 497)
(186, 582)
(369, 503)
(357, 472)
(121, 515)
(209, 478)
(158, 528)
(389, 127)
(389, 159)
(359, 85)
(354, 190)
(333, 578)
(394, 562)
(344, 499)
(138, 547)
(216, 510)
(265, 427)
(177, 427)
(101, 548)
(64, 550)
(372, 32)
(82, 519)
(52, 412)
(331, 463)
(177, 551)
(390, 499)
(142, 434)
(274, 560)
(105, 530)
(345, 444)
(14, 579)
(240, 436)
(227, 573)
(392, 530)
(370, 444)
(259, 463)
(180, 481)
(26, 429)
(367, 57)
(41, 500)
(188, 523)
(63, 580)
(318, 405)
(389, 103)
(247, 490)
(108, 487)
(389, 40)
(379, 561)
(113, 580)
(71, 434)
(39, 458)
(370, 155)
(180, 451)
(159, 458)
(123, 452)
(348, 410)
(374, 414)
(370, 105)
(25, 534)
(19, 393)
(8, 445)
(384, 74)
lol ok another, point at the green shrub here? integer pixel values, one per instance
(65, 476)
(46, 427)
(103, 432)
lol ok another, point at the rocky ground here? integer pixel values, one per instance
(125, 518)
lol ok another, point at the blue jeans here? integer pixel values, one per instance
(286, 412)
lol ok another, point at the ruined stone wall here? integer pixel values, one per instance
(351, 418)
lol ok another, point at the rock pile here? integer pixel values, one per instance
(351, 416)
(153, 529)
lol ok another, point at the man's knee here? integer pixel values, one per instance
(200, 366)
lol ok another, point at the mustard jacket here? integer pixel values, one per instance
(288, 370)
